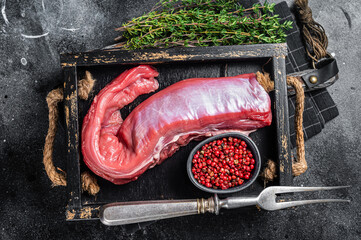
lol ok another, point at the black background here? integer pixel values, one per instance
(30, 68)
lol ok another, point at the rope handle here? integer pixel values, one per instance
(56, 175)
(299, 164)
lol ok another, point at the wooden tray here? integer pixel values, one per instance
(169, 180)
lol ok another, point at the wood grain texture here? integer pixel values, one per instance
(151, 56)
(282, 121)
(72, 123)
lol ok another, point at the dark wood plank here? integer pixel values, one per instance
(149, 56)
(282, 121)
(72, 120)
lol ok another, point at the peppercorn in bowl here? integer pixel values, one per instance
(224, 163)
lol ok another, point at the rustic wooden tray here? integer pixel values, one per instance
(169, 180)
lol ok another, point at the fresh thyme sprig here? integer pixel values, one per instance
(192, 23)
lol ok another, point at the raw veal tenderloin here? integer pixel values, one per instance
(121, 150)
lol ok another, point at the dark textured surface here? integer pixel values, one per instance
(31, 208)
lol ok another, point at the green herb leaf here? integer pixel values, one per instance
(192, 23)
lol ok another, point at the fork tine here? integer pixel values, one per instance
(283, 205)
(286, 189)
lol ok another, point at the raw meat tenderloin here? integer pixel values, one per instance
(120, 151)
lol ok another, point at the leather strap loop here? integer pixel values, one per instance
(326, 73)
(325, 70)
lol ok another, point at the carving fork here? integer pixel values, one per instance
(143, 211)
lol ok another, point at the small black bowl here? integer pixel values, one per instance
(250, 144)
